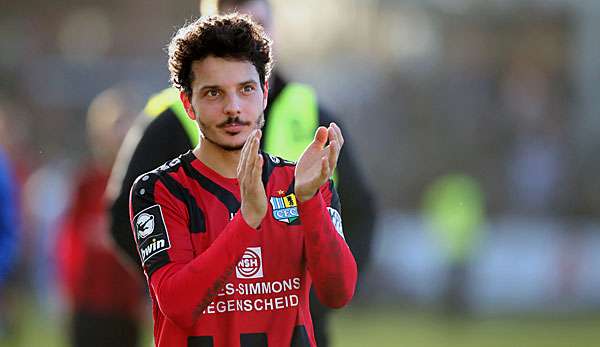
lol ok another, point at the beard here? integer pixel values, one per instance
(207, 133)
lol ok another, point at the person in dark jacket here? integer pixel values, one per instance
(162, 133)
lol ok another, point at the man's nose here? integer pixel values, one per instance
(232, 105)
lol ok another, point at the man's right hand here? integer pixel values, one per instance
(249, 175)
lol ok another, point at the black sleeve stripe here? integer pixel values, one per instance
(200, 341)
(225, 196)
(300, 337)
(142, 192)
(290, 188)
(197, 223)
(142, 198)
(268, 167)
(253, 340)
(270, 163)
(335, 199)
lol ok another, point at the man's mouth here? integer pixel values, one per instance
(233, 127)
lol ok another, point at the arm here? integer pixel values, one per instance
(149, 143)
(330, 262)
(167, 253)
(160, 224)
(358, 213)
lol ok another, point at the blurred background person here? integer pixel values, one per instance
(9, 231)
(291, 117)
(103, 295)
(454, 209)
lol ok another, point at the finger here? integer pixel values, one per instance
(332, 135)
(248, 142)
(325, 172)
(252, 157)
(333, 154)
(257, 169)
(244, 156)
(252, 153)
(254, 146)
(338, 133)
(320, 137)
(258, 135)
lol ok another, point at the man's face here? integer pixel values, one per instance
(227, 100)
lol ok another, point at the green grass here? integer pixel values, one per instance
(375, 326)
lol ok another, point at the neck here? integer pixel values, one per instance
(222, 161)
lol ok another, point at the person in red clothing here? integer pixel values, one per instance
(231, 239)
(103, 295)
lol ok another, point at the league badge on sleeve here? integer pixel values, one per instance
(336, 219)
(144, 225)
(151, 232)
(285, 208)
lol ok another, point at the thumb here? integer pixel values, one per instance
(321, 136)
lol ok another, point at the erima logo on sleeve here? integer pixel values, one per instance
(151, 232)
(336, 219)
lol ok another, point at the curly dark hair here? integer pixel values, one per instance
(233, 35)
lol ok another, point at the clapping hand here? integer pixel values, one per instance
(318, 161)
(249, 175)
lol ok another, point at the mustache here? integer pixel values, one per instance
(232, 121)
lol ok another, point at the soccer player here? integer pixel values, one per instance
(293, 113)
(231, 238)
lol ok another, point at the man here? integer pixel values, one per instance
(9, 227)
(232, 238)
(164, 131)
(8, 217)
(104, 312)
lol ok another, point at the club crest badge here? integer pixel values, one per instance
(285, 208)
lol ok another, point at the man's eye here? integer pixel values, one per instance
(248, 89)
(212, 93)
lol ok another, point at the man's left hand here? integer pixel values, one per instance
(318, 162)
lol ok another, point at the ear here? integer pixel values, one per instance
(265, 95)
(187, 105)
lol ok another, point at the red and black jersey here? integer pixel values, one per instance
(214, 280)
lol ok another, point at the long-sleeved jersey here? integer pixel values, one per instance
(214, 280)
(153, 141)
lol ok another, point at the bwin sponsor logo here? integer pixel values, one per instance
(152, 248)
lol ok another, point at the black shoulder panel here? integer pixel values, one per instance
(224, 195)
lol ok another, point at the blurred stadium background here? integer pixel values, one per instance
(476, 121)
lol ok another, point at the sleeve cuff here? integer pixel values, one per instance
(242, 233)
(241, 222)
(311, 206)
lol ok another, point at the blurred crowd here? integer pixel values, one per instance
(488, 93)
